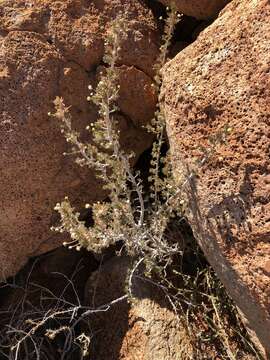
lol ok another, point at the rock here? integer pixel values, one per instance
(253, 337)
(203, 9)
(48, 49)
(222, 80)
(145, 329)
(136, 89)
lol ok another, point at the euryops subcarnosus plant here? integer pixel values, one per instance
(125, 218)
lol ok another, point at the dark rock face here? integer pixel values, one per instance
(50, 48)
(50, 281)
(222, 80)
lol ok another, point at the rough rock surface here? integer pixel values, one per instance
(202, 9)
(224, 79)
(145, 329)
(50, 48)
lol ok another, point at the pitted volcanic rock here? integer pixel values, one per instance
(222, 81)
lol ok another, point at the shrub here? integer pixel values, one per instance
(127, 217)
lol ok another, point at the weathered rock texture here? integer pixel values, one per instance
(50, 48)
(224, 78)
(146, 329)
(202, 9)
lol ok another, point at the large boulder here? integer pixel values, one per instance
(50, 48)
(202, 9)
(222, 81)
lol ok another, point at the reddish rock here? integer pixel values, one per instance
(77, 28)
(145, 329)
(223, 79)
(135, 89)
(50, 48)
(202, 9)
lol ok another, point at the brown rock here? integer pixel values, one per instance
(137, 99)
(50, 48)
(145, 329)
(223, 79)
(202, 9)
(77, 28)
